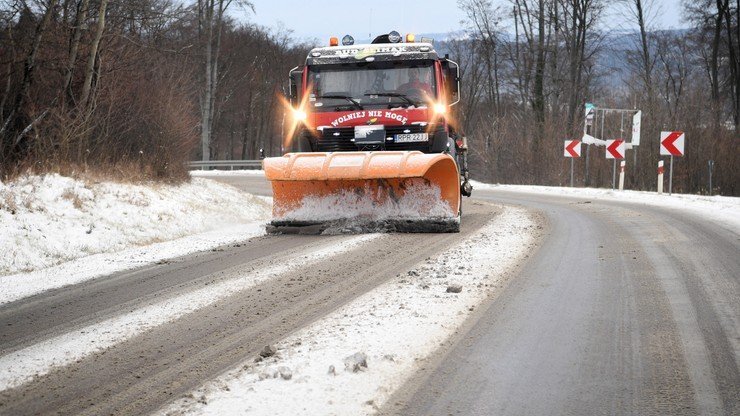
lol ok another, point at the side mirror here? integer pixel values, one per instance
(295, 85)
(452, 74)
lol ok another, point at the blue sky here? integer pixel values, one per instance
(324, 18)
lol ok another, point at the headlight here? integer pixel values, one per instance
(299, 115)
(440, 108)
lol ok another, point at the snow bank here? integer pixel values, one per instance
(722, 210)
(418, 201)
(50, 219)
(397, 326)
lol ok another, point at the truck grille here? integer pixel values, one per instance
(329, 141)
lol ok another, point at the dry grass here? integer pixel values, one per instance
(7, 202)
(71, 195)
(121, 172)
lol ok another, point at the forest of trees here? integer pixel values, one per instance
(132, 88)
(530, 66)
(136, 88)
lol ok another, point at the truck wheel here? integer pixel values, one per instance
(440, 141)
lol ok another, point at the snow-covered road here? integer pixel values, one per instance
(178, 326)
(395, 327)
(114, 323)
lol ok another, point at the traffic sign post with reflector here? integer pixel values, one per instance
(572, 149)
(621, 175)
(614, 150)
(660, 177)
(671, 144)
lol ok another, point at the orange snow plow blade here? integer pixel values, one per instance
(394, 191)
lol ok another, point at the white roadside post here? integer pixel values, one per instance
(660, 177)
(621, 175)
(670, 179)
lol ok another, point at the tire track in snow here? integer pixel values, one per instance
(397, 325)
(21, 366)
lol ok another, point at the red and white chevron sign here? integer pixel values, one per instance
(572, 148)
(615, 149)
(671, 143)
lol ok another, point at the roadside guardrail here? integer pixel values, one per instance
(224, 164)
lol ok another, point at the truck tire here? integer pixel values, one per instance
(300, 143)
(440, 142)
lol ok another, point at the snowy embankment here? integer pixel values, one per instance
(722, 210)
(351, 361)
(65, 230)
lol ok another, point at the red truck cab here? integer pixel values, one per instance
(386, 95)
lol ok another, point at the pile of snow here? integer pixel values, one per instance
(351, 361)
(722, 210)
(50, 219)
(372, 204)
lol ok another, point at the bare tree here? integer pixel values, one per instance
(210, 24)
(74, 46)
(643, 11)
(90, 67)
(16, 116)
(484, 20)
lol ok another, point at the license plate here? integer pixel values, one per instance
(412, 137)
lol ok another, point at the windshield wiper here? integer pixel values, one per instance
(395, 94)
(344, 97)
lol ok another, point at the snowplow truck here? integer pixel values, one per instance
(372, 140)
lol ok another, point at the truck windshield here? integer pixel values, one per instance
(346, 87)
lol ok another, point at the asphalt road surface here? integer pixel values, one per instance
(625, 309)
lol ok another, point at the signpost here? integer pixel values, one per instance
(636, 121)
(671, 144)
(572, 149)
(593, 133)
(660, 177)
(590, 112)
(614, 150)
(621, 175)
